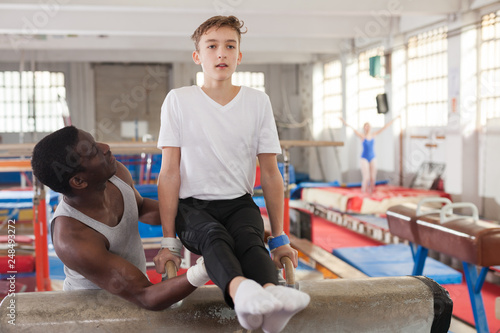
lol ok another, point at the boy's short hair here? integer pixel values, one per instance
(54, 160)
(218, 22)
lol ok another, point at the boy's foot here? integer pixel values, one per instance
(252, 303)
(293, 301)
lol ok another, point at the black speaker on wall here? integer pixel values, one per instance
(382, 106)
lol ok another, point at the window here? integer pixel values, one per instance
(32, 102)
(254, 80)
(428, 79)
(489, 67)
(332, 94)
(369, 88)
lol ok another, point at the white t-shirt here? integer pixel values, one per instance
(219, 144)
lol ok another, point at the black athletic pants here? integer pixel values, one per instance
(229, 234)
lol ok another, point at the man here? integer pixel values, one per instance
(95, 227)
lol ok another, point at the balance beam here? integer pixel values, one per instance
(395, 304)
(473, 241)
(463, 237)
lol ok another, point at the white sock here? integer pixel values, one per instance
(293, 301)
(197, 274)
(252, 302)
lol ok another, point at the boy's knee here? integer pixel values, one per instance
(247, 240)
(216, 233)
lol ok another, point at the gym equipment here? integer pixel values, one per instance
(473, 241)
(402, 304)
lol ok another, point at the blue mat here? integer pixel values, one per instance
(148, 230)
(304, 267)
(147, 191)
(26, 196)
(395, 260)
(259, 201)
(56, 268)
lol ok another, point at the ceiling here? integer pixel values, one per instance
(279, 31)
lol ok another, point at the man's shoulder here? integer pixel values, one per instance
(123, 174)
(68, 229)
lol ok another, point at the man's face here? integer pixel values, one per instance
(95, 157)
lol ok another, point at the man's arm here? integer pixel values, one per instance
(169, 182)
(148, 208)
(272, 186)
(84, 250)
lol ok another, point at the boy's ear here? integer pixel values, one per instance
(239, 58)
(196, 58)
(77, 183)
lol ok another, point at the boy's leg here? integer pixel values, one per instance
(202, 234)
(254, 305)
(246, 227)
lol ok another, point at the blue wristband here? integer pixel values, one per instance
(278, 241)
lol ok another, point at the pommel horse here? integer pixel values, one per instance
(473, 241)
(395, 304)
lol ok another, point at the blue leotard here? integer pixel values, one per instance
(368, 151)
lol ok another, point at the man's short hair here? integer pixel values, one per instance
(218, 21)
(54, 160)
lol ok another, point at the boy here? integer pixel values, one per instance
(210, 138)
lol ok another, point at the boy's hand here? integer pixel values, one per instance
(162, 257)
(285, 251)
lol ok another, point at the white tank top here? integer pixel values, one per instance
(124, 239)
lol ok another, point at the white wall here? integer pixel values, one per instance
(490, 177)
(80, 95)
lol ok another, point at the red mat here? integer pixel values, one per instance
(461, 303)
(330, 236)
(155, 277)
(20, 239)
(5, 288)
(22, 264)
(387, 191)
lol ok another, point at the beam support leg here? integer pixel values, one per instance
(474, 285)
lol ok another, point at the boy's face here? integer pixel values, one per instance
(218, 53)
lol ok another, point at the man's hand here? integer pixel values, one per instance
(162, 257)
(285, 251)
